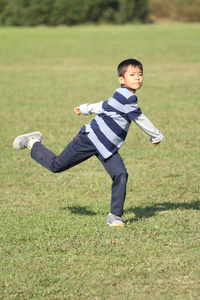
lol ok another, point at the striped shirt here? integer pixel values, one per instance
(108, 130)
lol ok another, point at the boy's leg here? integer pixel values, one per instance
(117, 171)
(76, 152)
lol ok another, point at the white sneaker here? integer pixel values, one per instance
(21, 142)
(115, 221)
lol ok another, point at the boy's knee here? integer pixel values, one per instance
(121, 175)
(124, 177)
(57, 169)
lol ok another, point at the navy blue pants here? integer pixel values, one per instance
(78, 151)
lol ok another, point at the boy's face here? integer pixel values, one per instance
(132, 79)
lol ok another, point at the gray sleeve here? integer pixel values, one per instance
(143, 122)
(87, 109)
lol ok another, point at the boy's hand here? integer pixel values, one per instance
(77, 110)
(154, 143)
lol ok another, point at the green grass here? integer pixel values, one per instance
(54, 241)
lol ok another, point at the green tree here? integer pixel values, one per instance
(70, 12)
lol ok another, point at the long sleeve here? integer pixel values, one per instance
(87, 109)
(143, 122)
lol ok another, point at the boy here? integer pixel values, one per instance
(102, 137)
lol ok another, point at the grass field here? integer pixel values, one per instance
(54, 241)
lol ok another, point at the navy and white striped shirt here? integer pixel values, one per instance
(108, 130)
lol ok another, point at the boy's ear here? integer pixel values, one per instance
(121, 79)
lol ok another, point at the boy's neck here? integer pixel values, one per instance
(133, 92)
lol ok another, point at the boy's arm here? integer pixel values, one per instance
(87, 109)
(143, 122)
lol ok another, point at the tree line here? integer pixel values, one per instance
(71, 12)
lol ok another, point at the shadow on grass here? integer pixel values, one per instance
(139, 211)
(80, 210)
(149, 211)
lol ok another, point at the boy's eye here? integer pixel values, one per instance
(133, 74)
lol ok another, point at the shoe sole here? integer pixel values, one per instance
(117, 225)
(32, 134)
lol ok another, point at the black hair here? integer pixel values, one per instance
(128, 62)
